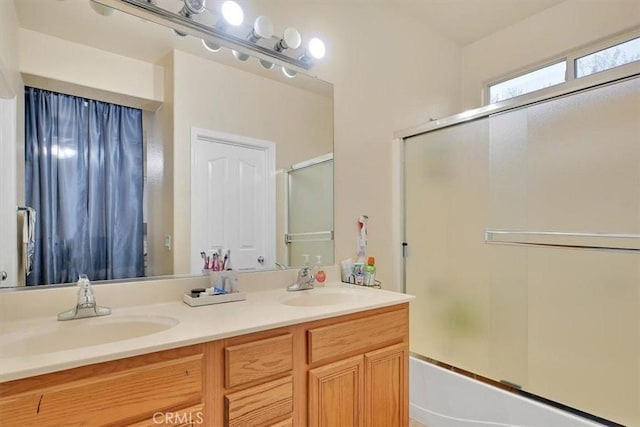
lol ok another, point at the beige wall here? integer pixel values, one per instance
(389, 72)
(544, 36)
(217, 97)
(57, 63)
(9, 44)
(159, 182)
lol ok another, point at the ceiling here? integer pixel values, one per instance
(463, 21)
(466, 21)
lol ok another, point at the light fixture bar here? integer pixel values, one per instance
(150, 12)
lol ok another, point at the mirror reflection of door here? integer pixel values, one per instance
(310, 211)
(8, 232)
(232, 199)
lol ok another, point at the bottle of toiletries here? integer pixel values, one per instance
(227, 261)
(319, 276)
(305, 258)
(358, 273)
(370, 272)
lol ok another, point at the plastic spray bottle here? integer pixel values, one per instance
(370, 272)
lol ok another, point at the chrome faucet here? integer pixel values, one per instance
(304, 280)
(86, 305)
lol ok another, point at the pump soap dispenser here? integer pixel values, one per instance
(318, 272)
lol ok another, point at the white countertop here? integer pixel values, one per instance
(260, 311)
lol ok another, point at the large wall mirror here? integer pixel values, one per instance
(234, 156)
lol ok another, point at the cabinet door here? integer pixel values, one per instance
(335, 394)
(386, 382)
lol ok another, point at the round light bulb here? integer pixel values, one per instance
(263, 27)
(292, 38)
(240, 56)
(232, 12)
(289, 73)
(266, 64)
(210, 46)
(316, 48)
(100, 8)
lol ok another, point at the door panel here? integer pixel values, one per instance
(310, 214)
(8, 202)
(335, 394)
(231, 200)
(386, 382)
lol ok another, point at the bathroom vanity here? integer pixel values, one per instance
(324, 357)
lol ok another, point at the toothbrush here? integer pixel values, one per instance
(206, 260)
(216, 262)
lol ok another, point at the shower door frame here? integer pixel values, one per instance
(607, 78)
(612, 76)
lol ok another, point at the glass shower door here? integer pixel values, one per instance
(310, 213)
(567, 174)
(446, 211)
(524, 248)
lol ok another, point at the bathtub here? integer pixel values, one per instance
(442, 398)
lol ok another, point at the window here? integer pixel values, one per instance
(611, 57)
(529, 82)
(615, 52)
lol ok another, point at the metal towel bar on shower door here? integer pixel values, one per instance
(609, 242)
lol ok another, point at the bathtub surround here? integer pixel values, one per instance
(442, 398)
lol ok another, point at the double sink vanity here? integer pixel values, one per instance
(336, 355)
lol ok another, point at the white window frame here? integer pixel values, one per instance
(570, 58)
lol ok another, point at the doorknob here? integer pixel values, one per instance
(260, 260)
(3, 276)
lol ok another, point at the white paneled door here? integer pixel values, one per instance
(232, 198)
(8, 215)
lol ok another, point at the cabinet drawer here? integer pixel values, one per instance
(112, 398)
(358, 335)
(260, 404)
(258, 360)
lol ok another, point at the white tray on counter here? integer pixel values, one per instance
(213, 299)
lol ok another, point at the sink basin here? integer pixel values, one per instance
(321, 297)
(58, 336)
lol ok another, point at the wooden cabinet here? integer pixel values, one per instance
(260, 405)
(123, 392)
(336, 393)
(368, 389)
(349, 370)
(386, 387)
(258, 384)
(257, 360)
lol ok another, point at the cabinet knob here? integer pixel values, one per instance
(3, 276)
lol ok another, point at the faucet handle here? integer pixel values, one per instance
(304, 272)
(85, 292)
(305, 276)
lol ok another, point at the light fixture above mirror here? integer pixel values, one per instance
(231, 30)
